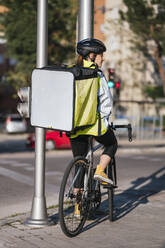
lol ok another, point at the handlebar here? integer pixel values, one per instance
(129, 127)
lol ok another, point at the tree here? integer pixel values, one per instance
(147, 21)
(20, 28)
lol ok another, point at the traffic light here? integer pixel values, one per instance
(111, 78)
(117, 91)
(117, 85)
(24, 107)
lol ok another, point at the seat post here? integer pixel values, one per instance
(90, 142)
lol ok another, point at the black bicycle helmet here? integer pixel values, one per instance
(90, 45)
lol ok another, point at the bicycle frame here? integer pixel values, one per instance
(92, 149)
(89, 158)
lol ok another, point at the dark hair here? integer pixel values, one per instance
(79, 60)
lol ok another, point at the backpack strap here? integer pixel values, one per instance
(95, 66)
(99, 125)
(99, 115)
(68, 134)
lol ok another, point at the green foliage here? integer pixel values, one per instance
(147, 21)
(154, 92)
(20, 27)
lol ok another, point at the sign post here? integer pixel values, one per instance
(39, 212)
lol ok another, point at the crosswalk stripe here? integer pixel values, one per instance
(29, 168)
(156, 159)
(54, 173)
(16, 176)
(14, 163)
(5, 161)
(139, 157)
(26, 179)
(17, 164)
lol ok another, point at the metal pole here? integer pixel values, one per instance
(154, 127)
(39, 212)
(85, 19)
(161, 127)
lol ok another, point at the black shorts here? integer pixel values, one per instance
(80, 144)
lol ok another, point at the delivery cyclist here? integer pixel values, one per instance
(90, 54)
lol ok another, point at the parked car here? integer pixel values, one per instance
(14, 123)
(53, 140)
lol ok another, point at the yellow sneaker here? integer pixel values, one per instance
(101, 176)
(104, 183)
(76, 211)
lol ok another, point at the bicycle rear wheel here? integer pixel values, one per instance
(110, 202)
(112, 176)
(71, 193)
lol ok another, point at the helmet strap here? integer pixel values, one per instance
(92, 59)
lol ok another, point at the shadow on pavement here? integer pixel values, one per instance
(126, 201)
(142, 189)
(129, 199)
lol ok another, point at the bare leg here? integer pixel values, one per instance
(104, 160)
(76, 190)
(100, 175)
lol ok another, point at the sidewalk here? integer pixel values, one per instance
(139, 223)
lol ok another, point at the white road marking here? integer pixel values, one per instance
(29, 168)
(54, 173)
(19, 164)
(156, 159)
(14, 163)
(18, 177)
(6, 161)
(139, 157)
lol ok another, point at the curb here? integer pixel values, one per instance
(68, 153)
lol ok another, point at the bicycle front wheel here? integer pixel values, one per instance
(72, 194)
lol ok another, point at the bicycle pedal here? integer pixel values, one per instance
(109, 186)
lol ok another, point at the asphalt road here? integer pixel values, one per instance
(13, 143)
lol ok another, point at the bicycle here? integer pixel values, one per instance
(79, 175)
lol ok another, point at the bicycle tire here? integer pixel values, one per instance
(110, 203)
(112, 175)
(71, 225)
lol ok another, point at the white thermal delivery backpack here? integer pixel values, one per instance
(64, 98)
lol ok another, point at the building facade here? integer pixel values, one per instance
(99, 19)
(132, 69)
